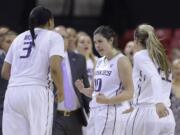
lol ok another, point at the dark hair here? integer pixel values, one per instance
(107, 32)
(39, 16)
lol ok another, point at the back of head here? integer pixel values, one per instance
(39, 16)
(107, 33)
(145, 35)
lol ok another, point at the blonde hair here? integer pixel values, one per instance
(146, 36)
(91, 55)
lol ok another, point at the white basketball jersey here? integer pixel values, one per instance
(149, 81)
(106, 78)
(30, 64)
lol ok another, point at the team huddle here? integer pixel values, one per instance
(126, 98)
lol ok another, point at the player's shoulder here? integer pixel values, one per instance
(141, 55)
(20, 37)
(54, 34)
(123, 60)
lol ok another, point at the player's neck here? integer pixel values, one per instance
(113, 53)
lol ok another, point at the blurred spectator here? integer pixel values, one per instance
(176, 53)
(81, 33)
(84, 47)
(72, 36)
(69, 121)
(128, 50)
(6, 38)
(176, 94)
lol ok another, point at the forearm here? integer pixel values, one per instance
(87, 91)
(58, 80)
(125, 95)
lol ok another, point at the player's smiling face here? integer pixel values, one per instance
(102, 45)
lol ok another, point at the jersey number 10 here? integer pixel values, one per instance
(98, 84)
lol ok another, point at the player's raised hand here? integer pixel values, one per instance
(102, 99)
(80, 85)
(161, 110)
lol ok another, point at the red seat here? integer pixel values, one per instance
(164, 35)
(127, 36)
(177, 33)
(175, 43)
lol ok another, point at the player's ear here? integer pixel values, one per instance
(111, 40)
(50, 23)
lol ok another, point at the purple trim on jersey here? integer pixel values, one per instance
(115, 107)
(106, 120)
(134, 121)
(139, 87)
(48, 79)
(128, 121)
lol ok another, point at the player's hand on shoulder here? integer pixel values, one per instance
(102, 99)
(79, 84)
(161, 110)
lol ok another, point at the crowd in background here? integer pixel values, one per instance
(81, 43)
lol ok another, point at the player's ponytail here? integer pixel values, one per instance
(146, 35)
(38, 17)
(31, 28)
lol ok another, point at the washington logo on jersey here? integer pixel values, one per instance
(103, 72)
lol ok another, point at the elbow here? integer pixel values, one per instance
(54, 71)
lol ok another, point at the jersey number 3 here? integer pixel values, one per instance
(26, 50)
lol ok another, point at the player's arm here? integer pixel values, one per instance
(56, 56)
(5, 72)
(148, 68)
(56, 74)
(125, 73)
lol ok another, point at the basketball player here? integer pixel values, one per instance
(152, 81)
(112, 84)
(28, 105)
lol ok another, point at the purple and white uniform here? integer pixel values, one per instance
(151, 87)
(104, 118)
(28, 97)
